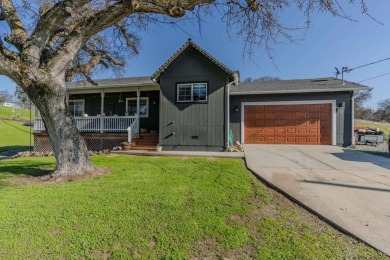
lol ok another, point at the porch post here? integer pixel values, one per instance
(35, 112)
(138, 95)
(102, 111)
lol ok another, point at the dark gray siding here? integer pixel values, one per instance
(343, 115)
(91, 102)
(193, 126)
(112, 106)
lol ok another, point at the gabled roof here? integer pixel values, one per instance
(118, 82)
(295, 86)
(187, 44)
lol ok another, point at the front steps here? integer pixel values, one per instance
(145, 142)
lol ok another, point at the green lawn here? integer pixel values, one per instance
(14, 135)
(19, 113)
(167, 208)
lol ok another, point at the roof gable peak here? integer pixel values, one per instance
(188, 43)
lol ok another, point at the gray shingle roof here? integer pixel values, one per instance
(188, 43)
(118, 82)
(295, 86)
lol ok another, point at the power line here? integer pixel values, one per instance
(369, 64)
(347, 70)
(375, 77)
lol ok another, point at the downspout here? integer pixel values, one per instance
(353, 95)
(235, 81)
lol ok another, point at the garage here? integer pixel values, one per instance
(288, 123)
(298, 111)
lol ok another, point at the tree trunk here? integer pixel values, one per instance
(69, 147)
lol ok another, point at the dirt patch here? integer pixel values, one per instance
(55, 232)
(101, 255)
(47, 177)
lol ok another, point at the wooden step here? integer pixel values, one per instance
(148, 135)
(146, 148)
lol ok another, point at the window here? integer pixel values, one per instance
(193, 92)
(131, 106)
(76, 107)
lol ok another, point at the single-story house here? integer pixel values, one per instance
(194, 102)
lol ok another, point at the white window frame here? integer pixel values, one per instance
(140, 98)
(77, 100)
(192, 92)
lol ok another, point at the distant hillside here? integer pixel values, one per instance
(13, 135)
(19, 113)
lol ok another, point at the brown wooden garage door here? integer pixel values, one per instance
(288, 124)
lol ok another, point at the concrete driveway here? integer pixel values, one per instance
(349, 188)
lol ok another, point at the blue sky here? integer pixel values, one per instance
(330, 42)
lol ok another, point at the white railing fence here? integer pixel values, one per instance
(98, 124)
(132, 130)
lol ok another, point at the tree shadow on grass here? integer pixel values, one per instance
(17, 168)
(11, 148)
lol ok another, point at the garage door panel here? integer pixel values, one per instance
(312, 123)
(291, 130)
(259, 130)
(260, 123)
(326, 107)
(269, 130)
(280, 130)
(259, 115)
(293, 124)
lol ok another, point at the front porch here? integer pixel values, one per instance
(105, 118)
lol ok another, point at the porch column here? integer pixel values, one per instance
(138, 95)
(102, 94)
(35, 112)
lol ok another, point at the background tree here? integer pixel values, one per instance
(362, 112)
(383, 111)
(23, 100)
(263, 78)
(5, 96)
(50, 42)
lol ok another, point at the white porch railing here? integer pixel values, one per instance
(98, 124)
(132, 130)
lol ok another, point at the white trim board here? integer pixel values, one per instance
(303, 102)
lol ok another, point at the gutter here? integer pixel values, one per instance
(294, 91)
(112, 86)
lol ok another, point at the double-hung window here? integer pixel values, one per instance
(192, 92)
(131, 106)
(76, 107)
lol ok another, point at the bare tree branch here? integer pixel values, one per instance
(130, 38)
(52, 21)
(18, 34)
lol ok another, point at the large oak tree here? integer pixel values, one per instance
(49, 42)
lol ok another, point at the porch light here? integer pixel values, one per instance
(236, 109)
(120, 98)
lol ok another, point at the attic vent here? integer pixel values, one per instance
(319, 80)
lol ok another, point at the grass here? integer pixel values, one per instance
(19, 113)
(167, 208)
(13, 135)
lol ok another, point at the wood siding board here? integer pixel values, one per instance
(193, 118)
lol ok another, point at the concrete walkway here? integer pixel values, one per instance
(182, 154)
(349, 188)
